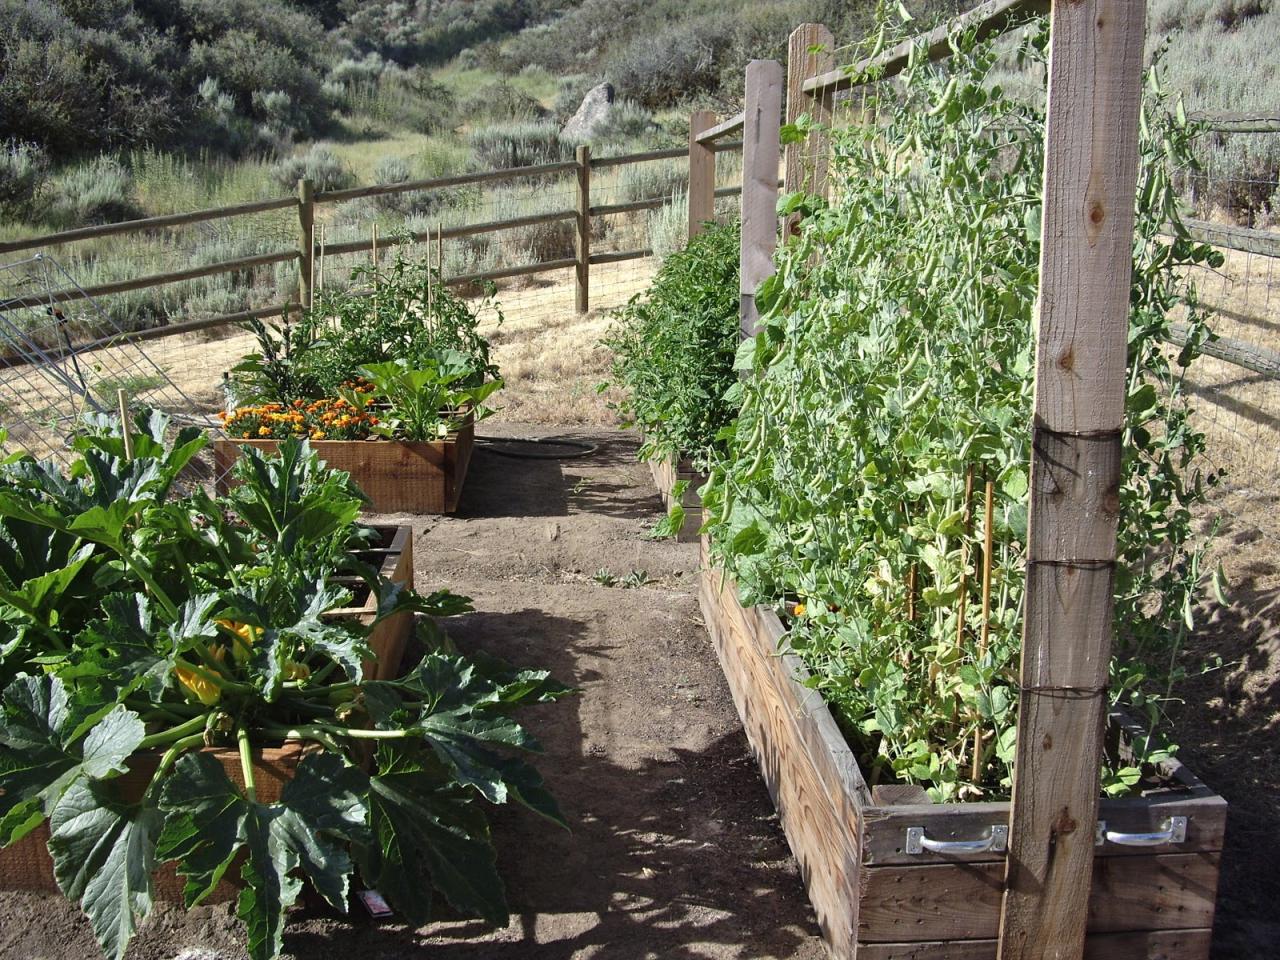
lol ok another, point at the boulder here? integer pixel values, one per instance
(591, 113)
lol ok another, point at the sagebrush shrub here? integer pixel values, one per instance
(517, 144)
(100, 191)
(24, 170)
(319, 164)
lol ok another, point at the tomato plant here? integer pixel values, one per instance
(673, 348)
(137, 623)
(892, 378)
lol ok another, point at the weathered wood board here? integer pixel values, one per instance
(666, 473)
(396, 476)
(875, 901)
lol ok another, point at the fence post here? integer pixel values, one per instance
(761, 152)
(582, 242)
(1090, 172)
(306, 240)
(702, 173)
(809, 53)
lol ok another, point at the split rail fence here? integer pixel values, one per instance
(310, 251)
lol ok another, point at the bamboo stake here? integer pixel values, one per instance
(373, 255)
(964, 554)
(440, 249)
(122, 403)
(988, 545)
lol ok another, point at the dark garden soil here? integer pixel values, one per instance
(675, 850)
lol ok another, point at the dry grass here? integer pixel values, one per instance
(550, 355)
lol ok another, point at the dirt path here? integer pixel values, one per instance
(675, 851)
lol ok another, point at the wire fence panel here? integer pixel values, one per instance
(1238, 409)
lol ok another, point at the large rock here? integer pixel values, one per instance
(591, 113)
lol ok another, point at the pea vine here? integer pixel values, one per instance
(892, 381)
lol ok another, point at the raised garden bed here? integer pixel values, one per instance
(397, 476)
(393, 558)
(26, 865)
(876, 900)
(666, 474)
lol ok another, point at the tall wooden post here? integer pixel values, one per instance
(810, 52)
(582, 242)
(1091, 159)
(702, 173)
(761, 152)
(306, 240)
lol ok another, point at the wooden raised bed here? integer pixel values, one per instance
(393, 558)
(396, 476)
(876, 901)
(26, 865)
(666, 473)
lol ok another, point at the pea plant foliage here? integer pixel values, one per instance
(141, 626)
(892, 379)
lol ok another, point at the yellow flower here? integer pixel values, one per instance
(799, 610)
(246, 635)
(205, 690)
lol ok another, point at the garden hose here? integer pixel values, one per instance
(580, 449)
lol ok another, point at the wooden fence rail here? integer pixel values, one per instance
(309, 253)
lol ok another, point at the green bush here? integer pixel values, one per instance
(100, 191)
(319, 164)
(499, 102)
(673, 348)
(517, 144)
(24, 170)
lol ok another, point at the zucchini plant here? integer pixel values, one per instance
(892, 380)
(140, 626)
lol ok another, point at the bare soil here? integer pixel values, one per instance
(675, 850)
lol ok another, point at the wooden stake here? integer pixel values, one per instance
(988, 545)
(582, 234)
(122, 404)
(440, 250)
(306, 240)
(1082, 323)
(320, 264)
(373, 246)
(964, 556)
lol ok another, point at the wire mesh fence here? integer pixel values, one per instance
(47, 384)
(1234, 199)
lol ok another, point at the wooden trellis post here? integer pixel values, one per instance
(810, 53)
(702, 172)
(1091, 160)
(761, 152)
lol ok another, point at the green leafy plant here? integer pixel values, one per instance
(398, 311)
(673, 348)
(424, 403)
(142, 626)
(892, 378)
